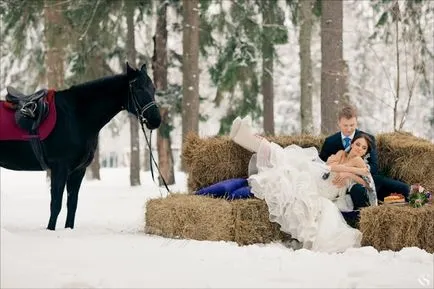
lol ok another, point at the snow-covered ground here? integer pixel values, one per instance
(108, 248)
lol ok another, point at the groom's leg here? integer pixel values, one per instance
(386, 186)
(359, 196)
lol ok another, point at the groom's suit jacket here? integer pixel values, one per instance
(333, 144)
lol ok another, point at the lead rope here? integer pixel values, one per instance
(148, 142)
(151, 159)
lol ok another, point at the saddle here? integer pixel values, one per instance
(30, 110)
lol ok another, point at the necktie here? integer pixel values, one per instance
(347, 142)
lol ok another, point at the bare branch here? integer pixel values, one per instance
(90, 21)
(395, 108)
(384, 70)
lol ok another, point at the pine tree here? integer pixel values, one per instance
(248, 49)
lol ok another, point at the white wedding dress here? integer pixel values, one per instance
(291, 182)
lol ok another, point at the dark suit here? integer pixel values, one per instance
(383, 185)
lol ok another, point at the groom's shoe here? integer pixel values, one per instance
(241, 133)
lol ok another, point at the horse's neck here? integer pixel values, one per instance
(97, 102)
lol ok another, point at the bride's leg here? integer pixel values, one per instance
(242, 134)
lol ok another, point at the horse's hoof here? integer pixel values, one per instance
(51, 228)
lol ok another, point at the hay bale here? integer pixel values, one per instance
(213, 159)
(195, 217)
(252, 224)
(246, 222)
(303, 140)
(408, 158)
(395, 227)
(190, 217)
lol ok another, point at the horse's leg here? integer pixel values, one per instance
(58, 181)
(73, 186)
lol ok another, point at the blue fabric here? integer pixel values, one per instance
(347, 142)
(227, 189)
(241, 193)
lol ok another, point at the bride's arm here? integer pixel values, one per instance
(335, 159)
(354, 177)
(355, 166)
(346, 169)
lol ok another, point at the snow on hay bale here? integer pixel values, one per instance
(395, 227)
(196, 217)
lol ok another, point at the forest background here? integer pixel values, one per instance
(289, 64)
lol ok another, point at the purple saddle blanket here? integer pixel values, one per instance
(230, 189)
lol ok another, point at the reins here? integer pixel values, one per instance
(148, 142)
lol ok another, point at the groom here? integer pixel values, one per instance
(347, 122)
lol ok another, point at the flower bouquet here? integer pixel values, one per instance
(419, 196)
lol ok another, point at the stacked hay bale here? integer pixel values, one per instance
(214, 159)
(408, 158)
(208, 161)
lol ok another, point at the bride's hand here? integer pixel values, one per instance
(363, 171)
(339, 179)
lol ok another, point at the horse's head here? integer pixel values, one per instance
(141, 99)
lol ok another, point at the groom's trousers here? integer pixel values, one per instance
(385, 186)
(359, 196)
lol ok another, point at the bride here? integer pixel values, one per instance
(299, 187)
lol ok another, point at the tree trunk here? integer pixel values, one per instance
(333, 79)
(267, 74)
(306, 79)
(93, 171)
(159, 64)
(190, 68)
(146, 165)
(54, 41)
(134, 124)
(96, 70)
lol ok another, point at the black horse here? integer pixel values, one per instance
(82, 111)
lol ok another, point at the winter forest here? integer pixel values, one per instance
(289, 64)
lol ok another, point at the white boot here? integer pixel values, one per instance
(241, 133)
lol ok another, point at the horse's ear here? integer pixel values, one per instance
(129, 68)
(143, 68)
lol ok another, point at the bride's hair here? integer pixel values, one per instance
(367, 138)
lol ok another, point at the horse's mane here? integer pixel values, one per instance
(99, 84)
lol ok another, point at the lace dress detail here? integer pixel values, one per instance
(291, 182)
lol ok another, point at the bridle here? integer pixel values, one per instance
(142, 120)
(136, 105)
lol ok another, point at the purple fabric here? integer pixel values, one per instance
(223, 188)
(241, 193)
